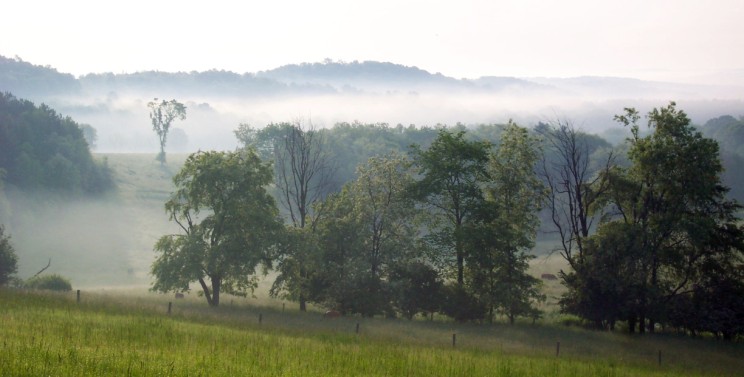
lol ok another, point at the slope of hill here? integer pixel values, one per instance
(40, 149)
(27, 80)
(102, 241)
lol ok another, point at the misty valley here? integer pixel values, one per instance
(478, 224)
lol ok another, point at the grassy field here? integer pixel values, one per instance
(50, 334)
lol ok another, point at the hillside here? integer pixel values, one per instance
(101, 241)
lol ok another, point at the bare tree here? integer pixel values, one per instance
(575, 185)
(304, 171)
(304, 176)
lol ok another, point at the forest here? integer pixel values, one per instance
(40, 149)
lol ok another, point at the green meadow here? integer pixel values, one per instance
(123, 335)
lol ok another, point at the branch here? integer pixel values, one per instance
(43, 269)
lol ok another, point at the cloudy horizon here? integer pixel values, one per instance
(683, 41)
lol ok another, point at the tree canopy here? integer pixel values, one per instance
(162, 114)
(40, 149)
(229, 224)
(668, 228)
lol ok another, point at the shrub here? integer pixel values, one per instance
(462, 305)
(8, 258)
(52, 282)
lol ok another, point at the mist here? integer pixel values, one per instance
(108, 241)
(94, 242)
(123, 124)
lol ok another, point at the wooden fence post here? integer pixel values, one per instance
(169, 307)
(357, 328)
(557, 348)
(260, 318)
(78, 296)
(454, 339)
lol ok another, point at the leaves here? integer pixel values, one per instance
(162, 114)
(229, 224)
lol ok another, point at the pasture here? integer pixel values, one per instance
(120, 334)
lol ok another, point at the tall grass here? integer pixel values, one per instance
(50, 334)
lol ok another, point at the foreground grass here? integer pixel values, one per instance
(45, 334)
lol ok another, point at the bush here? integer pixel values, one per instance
(462, 305)
(50, 282)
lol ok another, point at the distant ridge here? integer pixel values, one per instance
(333, 77)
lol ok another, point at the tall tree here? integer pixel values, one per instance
(673, 194)
(304, 174)
(575, 184)
(452, 172)
(229, 225)
(379, 215)
(162, 114)
(507, 227)
(669, 228)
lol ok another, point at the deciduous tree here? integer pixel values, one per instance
(379, 221)
(506, 227)
(669, 228)
(162, 114)
(304, 176)
(452, 172)
(229, 224)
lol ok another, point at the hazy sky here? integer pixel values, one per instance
(679, 40)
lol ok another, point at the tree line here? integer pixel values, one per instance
(447, 226)
(42, 150)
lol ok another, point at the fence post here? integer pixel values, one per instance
(283, 307)
(357, 328)
(454, 339)
(78, 296)
(659, 357)
(169, 307)
(260, 318)
(557, 348)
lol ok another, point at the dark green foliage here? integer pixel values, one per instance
(674, 237)
(8, 258)
(416, 288)
(452, 171)
(40, 149)
(52, 282)
(715, 306)
(728, 131)
(462, 305)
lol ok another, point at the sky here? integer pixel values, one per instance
(666, 40)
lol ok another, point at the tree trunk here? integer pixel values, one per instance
(207, 294)
(216, 287)
(303, 303)
(460, 261)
